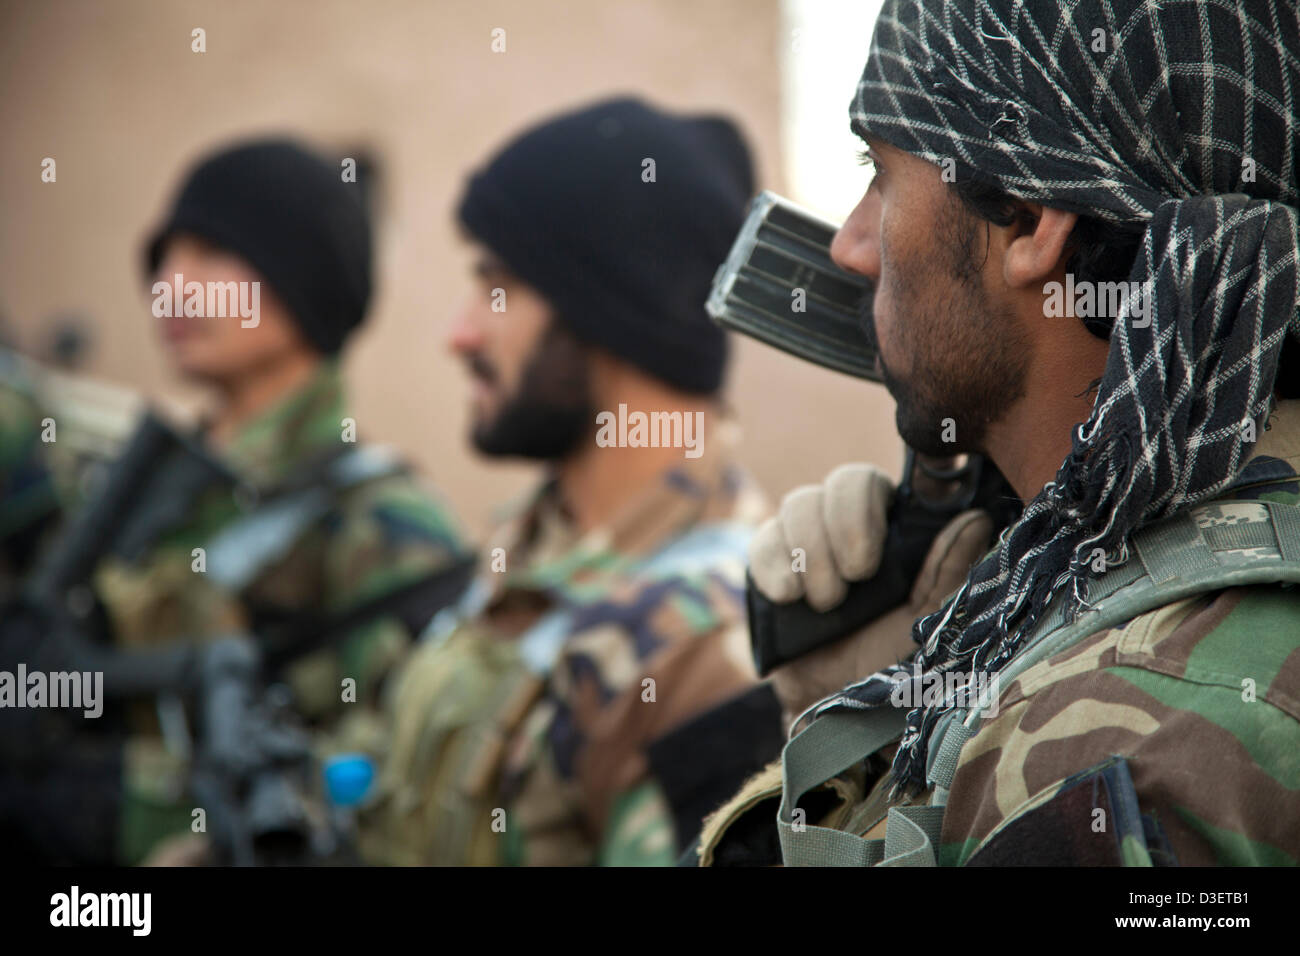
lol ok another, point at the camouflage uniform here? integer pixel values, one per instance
(379, 535)
(1182, 725)
(42, 468)
(523, 731)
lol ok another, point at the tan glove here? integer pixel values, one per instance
(841, 526)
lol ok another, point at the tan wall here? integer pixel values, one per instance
(114, 94)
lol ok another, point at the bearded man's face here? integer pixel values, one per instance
(531, 375)
(950, 350)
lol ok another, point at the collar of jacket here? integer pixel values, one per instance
(1282, 437)
(303, 426)
(544, 552)
(1277, 450)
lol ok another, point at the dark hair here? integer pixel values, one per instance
(1103, 252)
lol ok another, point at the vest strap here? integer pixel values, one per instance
(824, 749)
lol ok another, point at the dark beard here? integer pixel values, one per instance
(973, 374)
(551, 412)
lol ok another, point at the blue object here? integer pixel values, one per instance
(348, 778)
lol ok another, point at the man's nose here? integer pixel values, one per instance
(856, 246)
(466, 333)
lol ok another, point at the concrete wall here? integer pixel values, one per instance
(113, 92)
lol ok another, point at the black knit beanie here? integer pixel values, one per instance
(290, 214)
(625, 262)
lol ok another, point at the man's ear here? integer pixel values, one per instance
(1039, 248)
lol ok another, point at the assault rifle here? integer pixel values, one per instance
(251, 768)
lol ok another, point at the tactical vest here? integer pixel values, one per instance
(465, 695)
(1177, 559)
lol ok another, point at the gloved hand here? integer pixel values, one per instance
(841, 526)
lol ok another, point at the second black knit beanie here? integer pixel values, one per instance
(619, 214)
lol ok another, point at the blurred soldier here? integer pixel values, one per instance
(315, 528)
(29, 500)
(554, 719)
(1115, 682)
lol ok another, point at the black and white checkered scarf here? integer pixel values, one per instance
(1180, 115)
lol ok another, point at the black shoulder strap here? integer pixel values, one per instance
(703, 762)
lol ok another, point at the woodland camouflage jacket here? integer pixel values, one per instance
(520, 731)
(1182, 726)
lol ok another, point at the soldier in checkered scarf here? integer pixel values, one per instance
(1024, 151)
